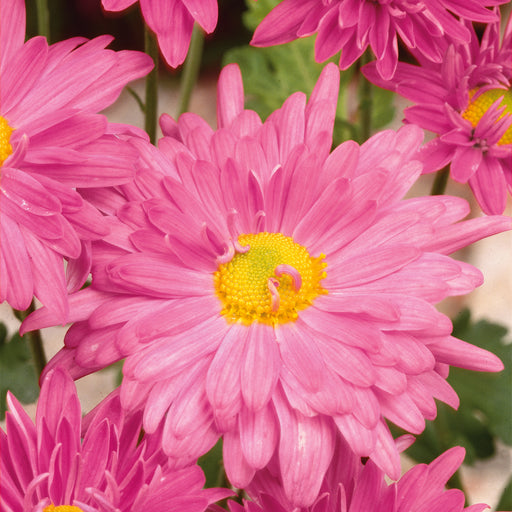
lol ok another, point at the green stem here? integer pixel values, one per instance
(440, 182)
(151, 105)
(34, 340)
(365, 101)
(191, 69)
(43, 19)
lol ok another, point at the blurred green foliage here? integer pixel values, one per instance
(17, 372)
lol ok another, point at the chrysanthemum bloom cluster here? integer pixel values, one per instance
(353, 25)
(265, 289)
(353, 487)
(47, 467)
(172, 21)
(466, 101)
(51, 141)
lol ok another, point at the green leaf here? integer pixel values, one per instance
(211, 464)
(505, 502)
(17, 372)
(486, 395)
(485, 411)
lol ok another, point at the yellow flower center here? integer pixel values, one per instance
(62, 508)
(270, 282)
(477, 108)
(5, 136)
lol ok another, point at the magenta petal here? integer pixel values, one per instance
(238, 470)
(223, 378)
(116, 5)
(12, 30)
(173, 25)
(258, 435)
(260, 369)
(301, 355)
(281, 24)
(304, 453)
(460, 353)
(465, 163)
(16, 283)
(489, 186)
(204, 12)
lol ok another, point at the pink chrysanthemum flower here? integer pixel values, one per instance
(353, 487)
(353, 25)
(51, 141)
(265, 289)
(465, 100)
(172, 21)
(52, 467)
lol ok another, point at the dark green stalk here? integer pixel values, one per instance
(43, 19)
(151, 106)
(440, 182)
(365, 101)
(191, 69)
(34, 340)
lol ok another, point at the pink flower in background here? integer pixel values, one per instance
(353, 25)
(172, 22)
(353, 487)
(466, 101)
(266, 289)
(51, 141)
(52, 464)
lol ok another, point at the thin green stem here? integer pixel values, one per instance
(440, 182)
(191, 69)
(34, 340)
(151, 101)
(365, 101)
(43, 18)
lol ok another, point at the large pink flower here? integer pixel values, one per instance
(173, 21)
(51, 466)
(353, 25)
(266, 289)
(51, 141)
(465, 100)
(353, 487)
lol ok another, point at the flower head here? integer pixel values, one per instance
(172, 21)
(466, 101)
(52, 141)
(351, 486)
(265, 289)
(353, 25)
(47, 467)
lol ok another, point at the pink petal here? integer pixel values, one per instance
(304, 453)
(258, 435)
(281, 24)
(260, 367)
(205, 12)
(116, 5)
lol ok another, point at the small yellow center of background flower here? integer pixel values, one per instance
(5, 136)
(481, 104)
(62, 508)
(270, 282)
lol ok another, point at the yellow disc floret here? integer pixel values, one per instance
(5, 137)
(478, 107)
(270, 282)
(62, 508)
